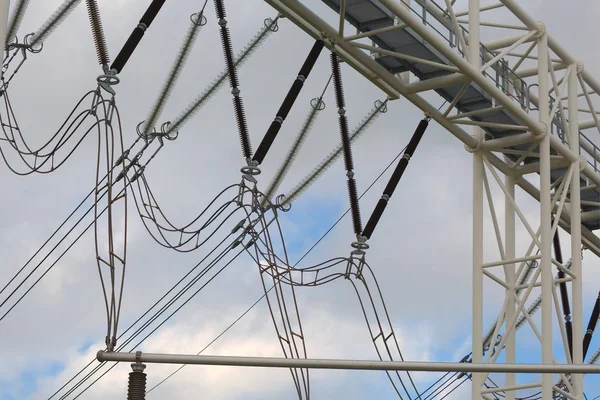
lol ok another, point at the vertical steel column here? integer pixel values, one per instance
(575, 199)
(478, 171)
(510, 275)
(545, 217)
(405, 76)
(4, 6)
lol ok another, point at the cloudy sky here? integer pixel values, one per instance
(421, 251)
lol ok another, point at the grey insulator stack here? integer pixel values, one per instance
(137, 382)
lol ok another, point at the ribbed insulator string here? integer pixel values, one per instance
(98, 33)
(238, 105)
(136, 36)
(15, 19)
(268, 27)
(395, 178)
(196, 22)
(288, 102)
(57, 17)
(302, 186)
(137, 386)
(343, 122)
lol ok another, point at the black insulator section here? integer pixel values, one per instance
(356, 222)
(375, 217)
(137, 386)
(136, 36)
(587, 338)
(395, 178)
(242, 126)
(151, 12)
(337, 80)
(267, 141)
(98, 32)
(127, 50)
(564, 294)
(288, 102)
(290, 99)
(310, 61)
(349, 164)
(557, 248)
(228, 51)
(408, 153)
(220, 9)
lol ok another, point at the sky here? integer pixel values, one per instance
(420, 252)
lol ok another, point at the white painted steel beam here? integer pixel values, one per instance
(520, 13)
(152, 358)
(575, 200)
(389, 83)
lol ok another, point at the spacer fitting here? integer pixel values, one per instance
(198, 19)
(579, 65)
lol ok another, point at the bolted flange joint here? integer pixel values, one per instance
(541, 29)
(582, 163)
(477, 146)
(543, 131)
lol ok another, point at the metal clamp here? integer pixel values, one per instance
(168, 134)
(32, 48)
(251, 170)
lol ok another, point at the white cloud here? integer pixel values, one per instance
(420, 252)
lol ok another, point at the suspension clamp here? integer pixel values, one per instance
(32, 48)
(280, 203)
(251, 170)
(360, 245)
(107, 80)
(167, 133)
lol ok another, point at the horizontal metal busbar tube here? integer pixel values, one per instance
(274, 362)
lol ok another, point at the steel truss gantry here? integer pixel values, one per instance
(537, 134)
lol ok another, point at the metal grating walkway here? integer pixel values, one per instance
(369, 15)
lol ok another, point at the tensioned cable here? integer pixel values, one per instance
(157, 314)
(323, 236)
(270, 26)
(216, 338)
(196, 22)
(229, 248)
(153, 318)
(316, 105)
(148, 310)
(54, 248)
(379, 108)
(53, 264)
(299, 260)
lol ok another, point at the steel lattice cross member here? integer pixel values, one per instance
(520, 94)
